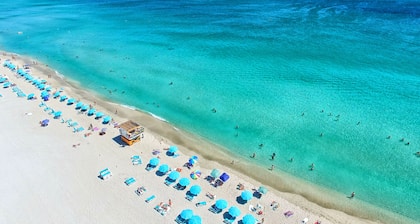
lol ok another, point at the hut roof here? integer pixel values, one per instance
(129, 125)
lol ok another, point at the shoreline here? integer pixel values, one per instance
(305, 195)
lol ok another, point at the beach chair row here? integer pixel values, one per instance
(18, 92)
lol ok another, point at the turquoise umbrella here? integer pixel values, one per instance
(173, 149)
(163, 168)
(248, 219)
(174, 175)
(30, 96)
(71, 101)
(195, 220)
(184, 181)
(106, 120)
(186, 214)
(84, 107)
(234, 211)
(99, 114)
(154, 161)
(246, 195)
(63, 97)
(195, 189)
(79, 105)
(221, 204)
(91, 112)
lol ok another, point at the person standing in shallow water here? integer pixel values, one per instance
(273, 156)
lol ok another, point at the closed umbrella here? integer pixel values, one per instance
(174, 175)
(184, 181)
(248, 219)
(186, 214)
(154, 161)
(246, 195)
(221, 204)
(234, 211)
(195, 189)
(163, 168)
(215, 173)
(195, 220)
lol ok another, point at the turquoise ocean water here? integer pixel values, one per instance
(283, 71)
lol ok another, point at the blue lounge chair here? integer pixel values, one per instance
(105, 174)
(136, 160)
(201, 203)
(150, 198)
(129, 181)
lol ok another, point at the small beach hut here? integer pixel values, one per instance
(130, 132)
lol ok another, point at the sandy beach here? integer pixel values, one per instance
(50, 174)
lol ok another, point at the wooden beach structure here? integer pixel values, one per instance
(131, 132)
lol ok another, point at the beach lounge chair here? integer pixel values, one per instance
(136, 160)
(180, 220)
(105, 174)
(72, 124)
(129, 181)
(169, 181)
(229, 220)
(305, 220)
(150, 198)
(140, 190)
(288, 213)
(79, 129)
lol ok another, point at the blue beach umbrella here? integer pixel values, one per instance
(30, 96)
(84, 107)
(154, 161)
(44, 93)
(106, 120)
(192, 161)
(46, 97)
(91, 112)
(57, 114)
(163, 168)
(248, 219)
(56, 94)
(48, 88)
(186, 214)
(184, 181)
(195, 189)
(79, 105)
(195, 220)
(221, 204)
(246, 195)
(41, 86)
(234, 211)
(174, 175)
(99, 114)
(3, 79)
(71, 101)
(173, 149)
(62, 98)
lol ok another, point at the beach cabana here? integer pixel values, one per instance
(224, 177)
(130, 132)
(248, 219)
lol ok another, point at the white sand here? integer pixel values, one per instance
(44, 179)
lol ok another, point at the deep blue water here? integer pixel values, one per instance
(262, 66)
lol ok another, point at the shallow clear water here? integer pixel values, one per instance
(261, 66)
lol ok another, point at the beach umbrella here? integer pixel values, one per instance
(91, 112)
(221, 204)
(184, 181)
(248, 219)
(44, 93)
(195, 189)
(163, 168)
(43, 81)
(45, 122)
(41, 86)
(57, 114)
(173, 149)
(195, 175)
(56, 94)
(99, 114)
(234, 211)
(192, 161)
(30, 96)
(174, 175)
(70, 101)
(246, 195)
(262, 190)
(79, 105)
(48, 88)
(154, 161)
(224, 177)
(106, 119)
(194, 158)
(46, 97)
(186, 214)
(84, 107)
(3, 79)
(63, 97)
(195, 220)
(215, 173)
